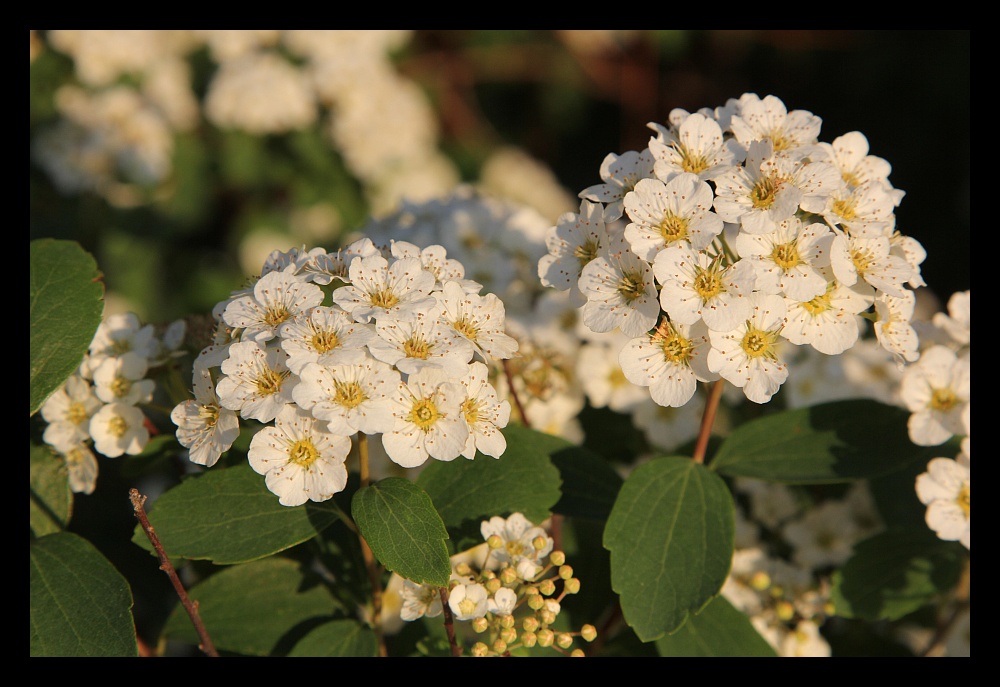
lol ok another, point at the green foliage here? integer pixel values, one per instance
(261, 608)
(670, 535)
(64, 287)
(896, 572)
(228, 516)
(830, 442)
(718, 630)
(524, 480)
(79, 604)
(340, 638)
(406, 534)
(50, 499)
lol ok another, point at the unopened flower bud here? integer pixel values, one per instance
(535, 602)
(494, 541)
(572, 586)
(588, 632)
(547, 587)
(488, 574)
(785, 611)
(760, 580)
(507, 621)
(557, 558)
(564, 641)
(547, 616)
(499, 646)
(493, 585)
(546, 637)
(480, 624)
(508, 575)
(540, 542)
(509, 635)
(479, 649)
(530, 624)
(529, 639)
(577, 653)
(565, 571)
(463, 569)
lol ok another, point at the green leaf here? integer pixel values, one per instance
(398, 520)
(589, 484)
(894, 573)
(229, 516)
(718, 630)
(523, 480)
(833, 442)
(50, 500)
(79, 604)
(65, 310)
(671, 536)
(338, 638)
(255, 608)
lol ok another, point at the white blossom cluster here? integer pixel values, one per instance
(390, 340)
(733, 236)
(514, 570)
(99, 408)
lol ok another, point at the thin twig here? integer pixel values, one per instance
(707, 420)
(166, 566)
(374, 575)
(449, 622)
(513, 393)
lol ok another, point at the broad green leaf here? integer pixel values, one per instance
(398, 520)
(345, 638)
(894, 573)
(523, 480)
(229, 516)
(50, 500)
(671, 536)
(907, 512)
(832, 442)
(80, 605)
(256, 608)
(65, 310)
(718, 630)
(589, 483)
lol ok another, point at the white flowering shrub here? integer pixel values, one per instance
(707, 407)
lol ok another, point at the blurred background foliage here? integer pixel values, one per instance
(564, 98)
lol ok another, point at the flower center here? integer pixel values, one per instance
(349, 394)
(786, 256)
(120, 347)
(470, 408)
(269, 381)
(943, 399)
(692, 161)
(324, 341)
(117, 427)
(383, 299)
(863, 260)
(964, 500)
(467, 606)
(673, 228)
(121, 386)
(780, 141)
(275, 315)
(676, 348)
(708, 284)
(416, 347)
(586, 252)
(759, 343)
(821, 303)
(209, 413)
(631, 286)
(303, 453)
(466, 328)
(424, 414)
(764, 193)
(76, 413)
(844, 208)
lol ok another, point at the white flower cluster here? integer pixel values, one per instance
(98, 407)
(490, 582)
(937, 390)
(392, 341)
(735, 232)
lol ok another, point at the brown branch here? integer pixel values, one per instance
(707, 420)
(449, 622)
(165, 565)
(513, 393)
(374, 574)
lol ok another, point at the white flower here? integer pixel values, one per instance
(516, 542)
(958, 320)
(849, 154)
(468, 601)
(258, 382)
(323, 335)
(697, 286)
(828, 322)
(676, 211)
(478, 318)
(68, 411)
(277, 297)
(866, 211)
(869, 259)
(935, 390)
(350, 397)
(502, 602)
(436, 261)
(601, 375)
(824, 536)
(120, 334)
(379, 290)
(694, 145)
(620, 291)
(620, 174)
(759, 195)
(121, 380)
(787, 261)
(805, 641)
(427, 420)
(119, 428)
(947, 492)
(427, 340)
(893, 328)
(670, 361)
(81, 466)
(767, 119)
(204, 427)
(748, 355)
(419, 600)
(300, 462)
(574, 241)
(484, 414)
